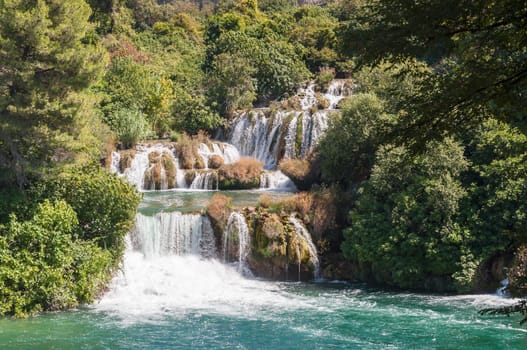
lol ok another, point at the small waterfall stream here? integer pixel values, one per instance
(237, 236)
(302, 232)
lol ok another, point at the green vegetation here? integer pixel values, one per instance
(424, 169)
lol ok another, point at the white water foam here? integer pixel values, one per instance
(276, 180)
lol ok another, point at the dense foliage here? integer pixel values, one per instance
(429, 157)
(67, 249)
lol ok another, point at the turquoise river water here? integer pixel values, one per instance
(185, 302)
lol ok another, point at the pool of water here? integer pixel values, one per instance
(251, 314)
(187, 302)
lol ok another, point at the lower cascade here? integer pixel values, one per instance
(173, 234)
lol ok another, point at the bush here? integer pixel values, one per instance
(324, 78)
(303, 172)
(215, 162)
(105, 205)
(129, 125)
(406, 226)
(244, 174)
(347, 150)
(218, 210)
(44, 266)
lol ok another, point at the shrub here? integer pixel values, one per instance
(105, 205)
(517, 274)
(129, 125)
(215, 162)
(324, 78)
(44, 266)
(218, 210)
(303, 172)
(243, 174)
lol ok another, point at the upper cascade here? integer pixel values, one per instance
(163, 166)
(291, 132)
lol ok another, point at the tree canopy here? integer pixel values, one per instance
(477, 50)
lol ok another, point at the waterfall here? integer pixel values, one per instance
(309, 98)
(502, 291)
(259, 136)
(237, 236)
(204, 181)
(290, 138)
(256, 135)
(227, 152)
(313, 127)
(173, 233)
(180, 176)
(114, 166)
(303, 234)
(276, 180)
(337, 91)
(141, 166)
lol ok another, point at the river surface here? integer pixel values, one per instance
(187, 302)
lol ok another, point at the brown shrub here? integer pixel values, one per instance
(219, 210)
(303, 172)
(265, 200)
(189, 177)
(126, 159)
(170, 169)
(187, 150)
(122, 47)
(322, 103)
(215, 161)
(243, 174)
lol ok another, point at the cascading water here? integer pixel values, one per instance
(180, 176)
(141, 166)
(257, 135)
(502, 291)
(171, 234)
(204, 181)
(114, 166)
(237, 236)
(337, 91)
(227, 152)
(303, 234)
(270, 136)
(276, 180)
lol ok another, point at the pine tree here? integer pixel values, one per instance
(46, 60)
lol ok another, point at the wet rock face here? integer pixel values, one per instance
(277, 250)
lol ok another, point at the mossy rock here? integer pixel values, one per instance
(170, 169)
(235, 184)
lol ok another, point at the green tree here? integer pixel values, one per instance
(45, 64)
(347, 150)
(405, 225)
(231, 83)
(44, 267)
(477, 49)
